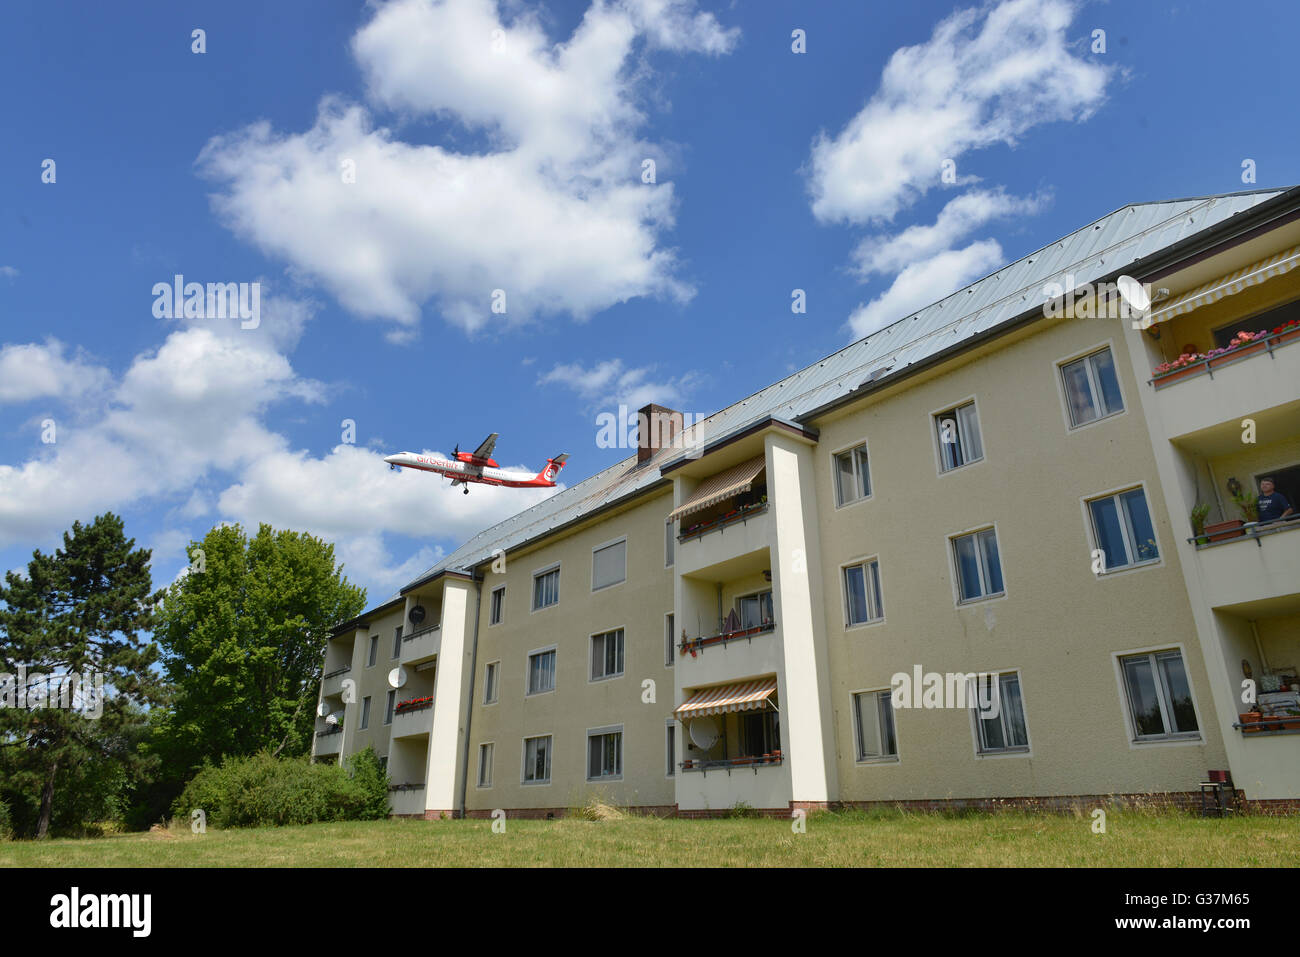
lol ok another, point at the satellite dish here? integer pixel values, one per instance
(416, 614)
(397, 677)
(1133, 293)
(322, 709)
(704, 733)
(332, 719)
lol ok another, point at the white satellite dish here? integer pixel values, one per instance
(704, 733)
(322, 709)
(397, 677)
(332, 719)
(1133, 293)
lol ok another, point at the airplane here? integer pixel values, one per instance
(478, 466)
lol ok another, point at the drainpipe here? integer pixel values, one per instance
(469, 702)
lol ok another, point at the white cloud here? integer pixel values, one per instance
(9, 272)
(610, 383)
(554, 214)
(985, 76)
(926, 281)
(36, 370)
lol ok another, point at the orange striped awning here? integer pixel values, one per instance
(717, 488)
(746, 696)
(1229, 285)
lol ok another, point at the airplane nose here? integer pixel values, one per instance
(391, 459)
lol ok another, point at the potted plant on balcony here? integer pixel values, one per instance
(1221, 531)
(1249, 718)
(1187, 364)
(1199, 513)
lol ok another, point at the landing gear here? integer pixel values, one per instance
(465, 490)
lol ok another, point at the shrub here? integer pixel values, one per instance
(369, 775)
(6, 828)
(262, 790)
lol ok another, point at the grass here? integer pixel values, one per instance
(838, 839)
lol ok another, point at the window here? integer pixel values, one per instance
(397, 642)
(537, 760)
(1159, 695)
(1122, 529)
(958, 431)
(755, 610)
(1091, 388)
(1002, 722)
(670, 748)
(759, 733)
(485, 765)
(670, 543)
(604, 753)
(670, 626)
(546, 588)
(373, 651)
(873, 713)
(607, 655)
(497, 605)
(388, 708)
(862, 594)
(490, 682)
(852, 479)
(365, 713)
(609, 565)
(979, 568)
(541, 672)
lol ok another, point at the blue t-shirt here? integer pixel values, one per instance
(1272, 506)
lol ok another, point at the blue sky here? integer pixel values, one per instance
(501, 146)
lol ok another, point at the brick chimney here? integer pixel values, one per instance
(656, 428)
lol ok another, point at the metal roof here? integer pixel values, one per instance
(1090, 254)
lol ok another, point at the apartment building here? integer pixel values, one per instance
(960, 561)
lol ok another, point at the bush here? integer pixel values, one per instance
(6, 828)
(261, 790)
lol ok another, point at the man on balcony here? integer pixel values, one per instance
(1271, 506)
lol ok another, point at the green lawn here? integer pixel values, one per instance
(886, 838)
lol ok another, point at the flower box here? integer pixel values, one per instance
(1250, 718)
(1222, 531)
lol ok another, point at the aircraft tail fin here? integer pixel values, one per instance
(553, 467)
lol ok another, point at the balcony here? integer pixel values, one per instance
(692, 646)
(412, 718)
(406, 798)
(420, 645)
(329, 741)
(741, 763)
(1257, 564)
(332, 681)
(1226, 385)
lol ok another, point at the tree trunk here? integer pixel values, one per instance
(47, 802)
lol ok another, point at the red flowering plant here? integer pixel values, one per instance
(413, 704)
(1241, 339)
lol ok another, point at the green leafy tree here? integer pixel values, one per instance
(243, 635)
(80, 610)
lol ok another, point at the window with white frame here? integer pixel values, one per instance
(485, 765)
(491, 675)
(608, 565)
(755, 610)
(1122, 529)
(958, 432)
(978, 564)
(852, 477)
(541, 672)
(607, 654)
(372, 653)
(397, 642)
(537, 760)
(497, 606)
(388, 707)
(873, 713)
(546, 588)
(1091, 388)
(1159, 695)
(670, 748)
(862, 600)
(670, 626)
(365, 713)
(999, 713)
(670, 544)
(604, 753)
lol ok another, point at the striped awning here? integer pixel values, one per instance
(1225, 286)
(717, 488)
(747, 696)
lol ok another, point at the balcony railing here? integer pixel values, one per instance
(1278, 724)
(334, 729)
(413, 705)
(754, 761)
(336, 672)
(1206, 364)
(1255, 530)
(406, 787)
(421, 633)
(692, 645)
(742, 514)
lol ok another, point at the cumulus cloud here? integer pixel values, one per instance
(985, 76)
(553, 212)
(611, 383)
(43, 370)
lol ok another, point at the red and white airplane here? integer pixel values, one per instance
(478, 466)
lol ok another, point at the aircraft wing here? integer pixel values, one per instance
(484, 451)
